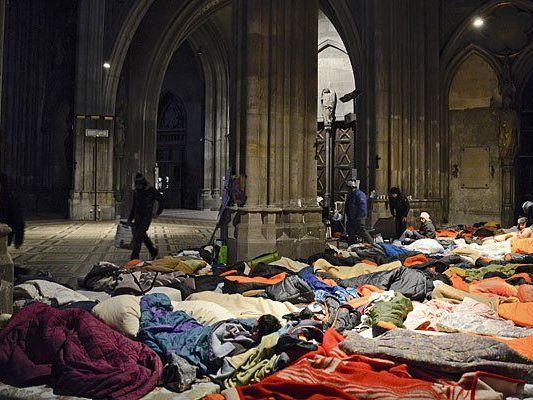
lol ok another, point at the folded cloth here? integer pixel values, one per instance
(76, 354)
(454, 353)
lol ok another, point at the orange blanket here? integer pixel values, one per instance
(522, 246)
(520, 313)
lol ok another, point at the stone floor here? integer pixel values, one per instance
(68, 249)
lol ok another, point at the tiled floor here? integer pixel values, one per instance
(68, 249)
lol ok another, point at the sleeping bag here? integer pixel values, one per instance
(76, 354)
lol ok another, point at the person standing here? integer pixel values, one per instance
(399, 208)
(356, 210)
(11, 213)
(141, 215)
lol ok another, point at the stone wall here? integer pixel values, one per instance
(474, 128)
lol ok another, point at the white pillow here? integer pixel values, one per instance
(205, 312)
(121, 313)
(173, 294)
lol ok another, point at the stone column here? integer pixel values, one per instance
(401, 90)
(6, 273)
(508, 189)
(90, 111)
(2, 23)
(273, 129)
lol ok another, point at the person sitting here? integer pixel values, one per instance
(523, 232)
(426, 230)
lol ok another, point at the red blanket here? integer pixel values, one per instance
(329, 373)
(76, 354)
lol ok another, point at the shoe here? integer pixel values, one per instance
(154, 254)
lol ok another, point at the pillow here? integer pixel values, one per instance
(173, 294)
(205, 312)
(121, 313)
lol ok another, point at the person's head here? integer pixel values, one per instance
(140, 181)
(424, 217)
(266, 324)
(352, 184)
(522, 223)
(394, 192)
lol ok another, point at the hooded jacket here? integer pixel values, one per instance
(399, 206)
(356, 205)
(143, 202)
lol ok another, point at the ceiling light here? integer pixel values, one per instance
(478, 22)
(107, 65)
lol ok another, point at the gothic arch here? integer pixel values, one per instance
(172, 114)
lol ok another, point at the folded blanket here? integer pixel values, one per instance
(454, 353)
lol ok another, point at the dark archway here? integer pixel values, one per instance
(180, 126)
(524, 158)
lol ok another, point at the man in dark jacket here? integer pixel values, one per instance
(11, 213)
(426, 230)
(356, 210)
(142, 212)
(399, 208)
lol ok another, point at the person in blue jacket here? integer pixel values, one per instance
(356, 210)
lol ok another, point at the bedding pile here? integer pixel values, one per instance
(444, 318)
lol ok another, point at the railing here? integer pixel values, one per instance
(6, 273)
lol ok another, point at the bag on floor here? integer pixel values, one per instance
(124, 235)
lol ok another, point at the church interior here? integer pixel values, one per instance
(266, 199)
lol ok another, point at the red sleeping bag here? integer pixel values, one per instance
(76, 354)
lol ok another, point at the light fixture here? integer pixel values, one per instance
(107, 65)
(478, 22)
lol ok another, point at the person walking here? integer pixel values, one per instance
(356, 210)
(11, 213)
(399, 208)
(142, 212)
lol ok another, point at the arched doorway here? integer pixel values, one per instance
(180, 126)
(475, 172)
(336, 146)
(524, 158)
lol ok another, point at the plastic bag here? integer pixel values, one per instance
(124, 235)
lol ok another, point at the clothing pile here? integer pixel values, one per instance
(443, 318)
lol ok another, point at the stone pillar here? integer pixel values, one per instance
(402, 101)
(508, 188)
(273, 129)
(6, 273)
(90, 111)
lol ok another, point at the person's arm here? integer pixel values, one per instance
(393, 207)
(407, 208)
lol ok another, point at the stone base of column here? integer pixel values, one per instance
(293, 232)
(209, 199)
(6, 273)
(508, 193)
(81, 206)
